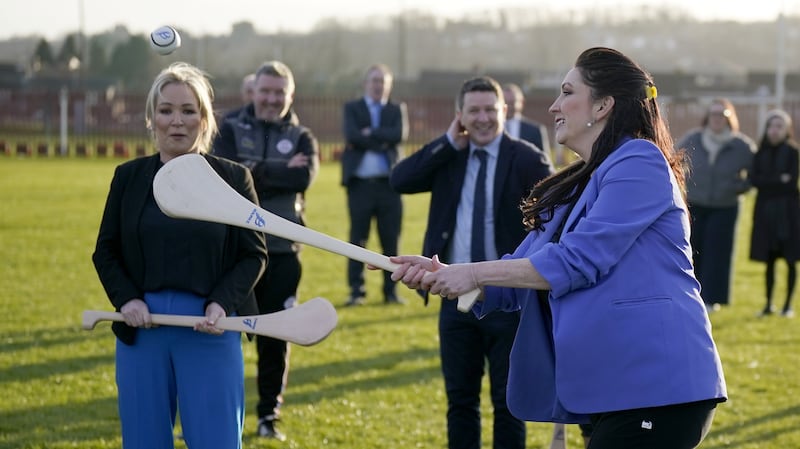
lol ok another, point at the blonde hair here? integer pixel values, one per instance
(197, 81)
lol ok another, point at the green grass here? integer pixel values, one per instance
(374, 383)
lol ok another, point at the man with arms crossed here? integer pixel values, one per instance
(283, 156)
(374, 128)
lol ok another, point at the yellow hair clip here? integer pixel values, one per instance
(651, 92)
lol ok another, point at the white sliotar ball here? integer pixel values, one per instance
(165, 40)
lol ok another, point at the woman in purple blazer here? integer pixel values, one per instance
(613, 329)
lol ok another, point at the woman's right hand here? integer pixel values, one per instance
(413, 268)
(136, 314)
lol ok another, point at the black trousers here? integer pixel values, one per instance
(368, 198)
(713, 234)
(466, 344)
(275, 291)
(681, 426)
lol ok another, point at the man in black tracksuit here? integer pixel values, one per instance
(283, 157)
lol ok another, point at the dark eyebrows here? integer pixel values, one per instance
(481, 106)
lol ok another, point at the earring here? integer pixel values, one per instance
(589, 124)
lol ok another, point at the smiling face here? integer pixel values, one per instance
(574, 110)
(177, 121)
(272, 97)
(482, 115)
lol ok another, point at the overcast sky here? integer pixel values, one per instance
(55, 18)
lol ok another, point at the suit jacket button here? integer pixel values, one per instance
(445, 235)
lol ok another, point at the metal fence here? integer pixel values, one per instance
(105, 124)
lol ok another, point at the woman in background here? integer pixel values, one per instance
(720, 157)
(776, 216)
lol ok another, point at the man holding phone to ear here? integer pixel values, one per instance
(477, 175)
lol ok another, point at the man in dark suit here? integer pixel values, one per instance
(519, 126)
(374, 128)
(469, 224)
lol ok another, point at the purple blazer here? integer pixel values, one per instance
(629, 328)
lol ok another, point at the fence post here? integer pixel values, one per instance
(63, 103)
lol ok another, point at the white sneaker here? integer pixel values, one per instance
(266, 429)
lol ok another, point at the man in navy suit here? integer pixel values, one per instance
(475, 151)
(374, 128)
(519, 126)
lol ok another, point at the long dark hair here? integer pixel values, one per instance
(607, 72)
(787, 119)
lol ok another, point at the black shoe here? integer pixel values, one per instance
(769, 310)
(393, 299)
(354, 300)
(266, 429)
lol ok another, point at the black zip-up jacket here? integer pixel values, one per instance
(266, 149)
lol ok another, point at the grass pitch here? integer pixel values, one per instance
(374, 383)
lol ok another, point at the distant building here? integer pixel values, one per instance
(445, 83)
(12, 76)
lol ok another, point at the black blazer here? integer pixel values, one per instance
(118, 258)
(393, 131)
(439, 168)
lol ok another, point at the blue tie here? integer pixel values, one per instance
(477, 249)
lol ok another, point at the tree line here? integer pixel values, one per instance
(331, 57)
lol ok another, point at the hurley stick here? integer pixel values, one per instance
(305, 324)
(188, 187)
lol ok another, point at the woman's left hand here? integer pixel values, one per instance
(213, 312)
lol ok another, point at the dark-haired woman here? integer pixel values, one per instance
(613, 330)
(776, 215)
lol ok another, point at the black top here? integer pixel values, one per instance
(776, 213)
(139, 249)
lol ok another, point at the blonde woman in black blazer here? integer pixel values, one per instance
(150, 263)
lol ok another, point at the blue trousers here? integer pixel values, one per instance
(175, 367)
